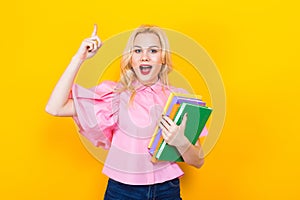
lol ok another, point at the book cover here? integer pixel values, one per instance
(196, 113)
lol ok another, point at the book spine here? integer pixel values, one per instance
(176, 119)
(191, 101)
(158, 137)
(161, 148)
(157, 134)
(191, 96)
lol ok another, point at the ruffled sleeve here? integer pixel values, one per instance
(97, 112)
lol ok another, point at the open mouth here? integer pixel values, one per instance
(145, 69)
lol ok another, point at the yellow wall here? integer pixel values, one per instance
(255, 45)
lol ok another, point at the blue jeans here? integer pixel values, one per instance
(169, 190)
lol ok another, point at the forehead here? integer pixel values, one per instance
(146, 40)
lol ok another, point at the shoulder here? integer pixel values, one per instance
(107, 84)
(106, 87)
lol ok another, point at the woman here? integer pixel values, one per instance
(122, 116)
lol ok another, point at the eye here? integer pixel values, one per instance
(153, 50)
(137, 50)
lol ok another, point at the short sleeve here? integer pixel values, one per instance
(97, 112)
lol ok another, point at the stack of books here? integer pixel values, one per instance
(177, 105)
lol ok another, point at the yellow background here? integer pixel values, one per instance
(255, 45)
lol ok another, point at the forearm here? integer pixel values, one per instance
(59, 103)
(60, 94)
(192, 154)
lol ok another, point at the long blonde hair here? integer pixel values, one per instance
(127, 74)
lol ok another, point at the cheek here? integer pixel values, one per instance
(134, 60)
(156, 70)
(157, 59)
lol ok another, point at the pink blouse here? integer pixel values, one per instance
(109, 120)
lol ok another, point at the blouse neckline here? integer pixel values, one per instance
(157, 86)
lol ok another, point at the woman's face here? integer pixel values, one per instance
(146, 58)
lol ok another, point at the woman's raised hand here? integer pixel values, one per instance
(89, 46)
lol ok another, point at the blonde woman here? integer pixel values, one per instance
(121, 116)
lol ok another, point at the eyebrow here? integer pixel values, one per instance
(147, 47)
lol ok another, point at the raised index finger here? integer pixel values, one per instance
(95, 30)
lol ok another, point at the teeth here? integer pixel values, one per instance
(145, 67)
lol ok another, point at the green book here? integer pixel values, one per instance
(197, 118)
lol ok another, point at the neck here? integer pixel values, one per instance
(149, 83)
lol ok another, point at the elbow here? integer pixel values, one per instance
(51, 111)
(197, 163)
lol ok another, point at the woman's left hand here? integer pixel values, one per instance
(174, 134)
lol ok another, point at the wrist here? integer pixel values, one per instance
(183, 145)
(76, 60)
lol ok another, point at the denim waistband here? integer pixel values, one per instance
(169, 190)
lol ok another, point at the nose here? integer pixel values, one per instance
(144, 56)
